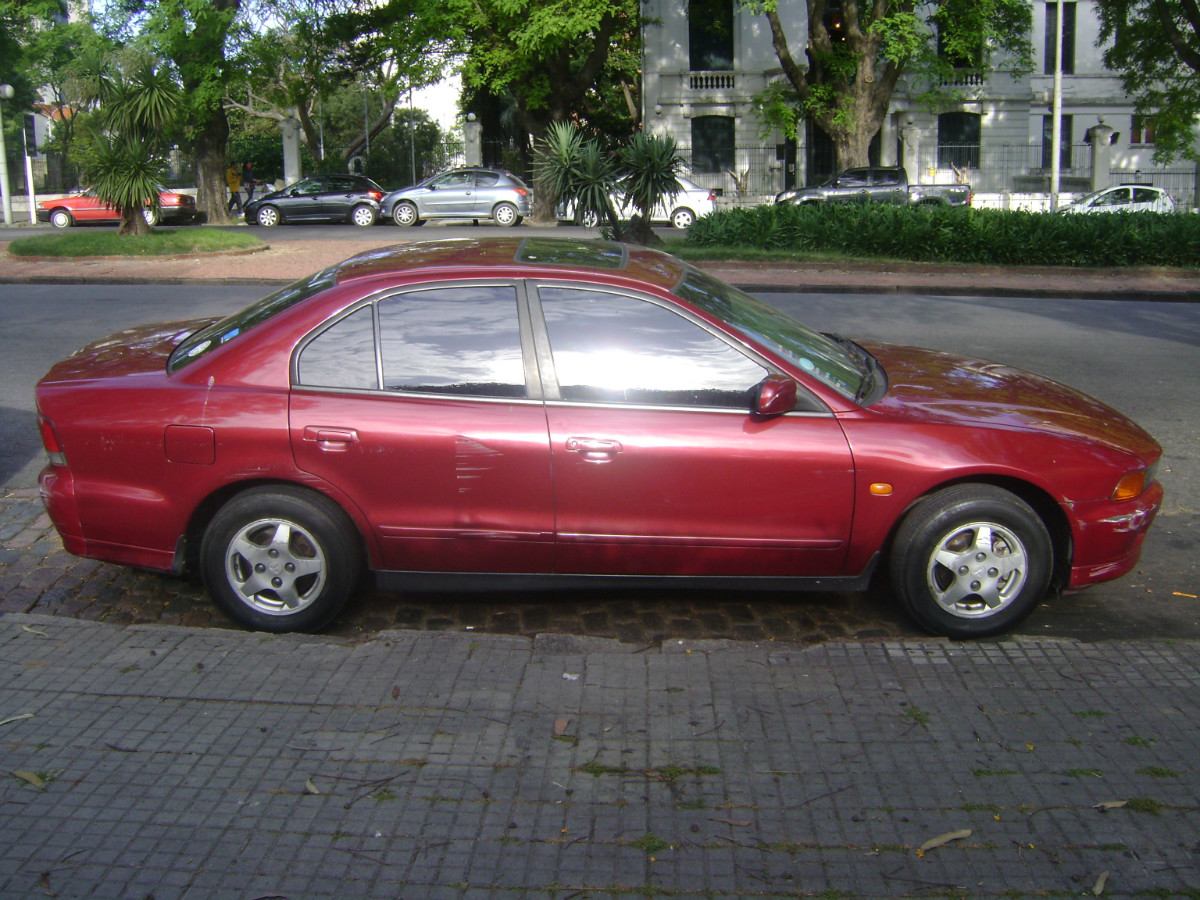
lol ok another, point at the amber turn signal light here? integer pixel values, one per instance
(881, 489)
(1130, 486)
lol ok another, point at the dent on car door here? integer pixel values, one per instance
(438, 438)
(659, 466)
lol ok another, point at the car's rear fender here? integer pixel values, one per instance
(188, 550)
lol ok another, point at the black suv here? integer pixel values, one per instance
(319, 198)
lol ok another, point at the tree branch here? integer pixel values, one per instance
(1186, 54)
(794, 72)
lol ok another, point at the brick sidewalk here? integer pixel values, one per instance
(291, 259)
(199, 763)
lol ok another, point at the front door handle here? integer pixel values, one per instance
(332, 440)
(594, 450)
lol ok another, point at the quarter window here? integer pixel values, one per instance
(615, 349)
(342, 356)
(459, 340)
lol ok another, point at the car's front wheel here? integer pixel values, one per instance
(506, 215)
(405, 214)
(362, 216)
(268, 217)
(60, 218)
(971, 561)
(280, 559)
(683, 218)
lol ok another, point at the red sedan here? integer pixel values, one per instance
(486, 414)
(86, 207)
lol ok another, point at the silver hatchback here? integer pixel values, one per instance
(461, 194)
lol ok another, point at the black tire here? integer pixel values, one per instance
(363, 216)
(971, 561)
(61, 218)
(587, 218)
(269, 581)
(506, 215)
(405, 214)
(268, 216)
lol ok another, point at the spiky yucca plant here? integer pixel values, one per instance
(650, 167)
(127, 160)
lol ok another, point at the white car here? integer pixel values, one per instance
(1124, 198)
(681, 211)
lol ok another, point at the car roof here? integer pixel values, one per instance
(514, 257)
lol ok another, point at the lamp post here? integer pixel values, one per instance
(6, 93)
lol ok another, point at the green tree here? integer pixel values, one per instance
(559, 61)
(858, 50)
(1155, 46)
(125, 159)
(195, 35)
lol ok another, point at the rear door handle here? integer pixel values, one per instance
(594, 450)
(332, 440)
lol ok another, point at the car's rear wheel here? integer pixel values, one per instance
(150, 215)
(362, 216)
(683, 217)
(268, 217)
(280, 559)
(971, 561)
(506, 215)
(588, 218)
(405, 214)
(60, 218)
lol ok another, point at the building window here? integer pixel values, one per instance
(1064, 151)
(1068, 45)
(958, 140)
(710, 35)
(1142, 130)
(712, 144)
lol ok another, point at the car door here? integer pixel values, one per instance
(1146, 200)
(337, 197)
(303, 200)
(659, 466)
(419, 408)
(451, 195)
(886, 187)
(1113, 200)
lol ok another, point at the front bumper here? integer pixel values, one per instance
(1109, 536)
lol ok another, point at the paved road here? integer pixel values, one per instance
(1143, 358)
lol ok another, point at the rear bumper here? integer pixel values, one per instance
(1109, 537)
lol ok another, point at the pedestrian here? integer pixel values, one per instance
(248, 180)
(233, 178)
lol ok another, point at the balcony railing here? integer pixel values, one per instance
(711, 81)
(965, 78)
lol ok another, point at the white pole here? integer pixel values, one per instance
(1056, 110)
(6, 92)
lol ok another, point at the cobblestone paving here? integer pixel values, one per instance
(197, 763)
(38, 576)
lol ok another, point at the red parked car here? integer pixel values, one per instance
(503, 413)
(86, 207)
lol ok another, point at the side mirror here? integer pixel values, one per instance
(776, 395)
(294, 193)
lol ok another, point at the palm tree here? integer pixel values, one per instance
(576, 170)
(127, 158)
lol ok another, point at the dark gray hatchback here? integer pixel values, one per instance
(319, 198)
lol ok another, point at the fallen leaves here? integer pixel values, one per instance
(942, 839)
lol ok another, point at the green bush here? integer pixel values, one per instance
(944, 234)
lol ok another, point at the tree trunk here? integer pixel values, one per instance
(211, 190)
(133, 222)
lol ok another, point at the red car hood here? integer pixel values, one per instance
(134, 351)
(925, 385)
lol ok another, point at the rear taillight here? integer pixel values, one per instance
(50, 441)
(521, 192)
(376, 195)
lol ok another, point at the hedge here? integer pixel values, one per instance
(962, 235)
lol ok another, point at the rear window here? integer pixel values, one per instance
(221, 333)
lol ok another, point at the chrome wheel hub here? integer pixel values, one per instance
(275, 566)
(976, 570)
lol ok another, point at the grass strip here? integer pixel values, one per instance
(159, 242)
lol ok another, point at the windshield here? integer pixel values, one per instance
(836, 364)
(221, 333)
